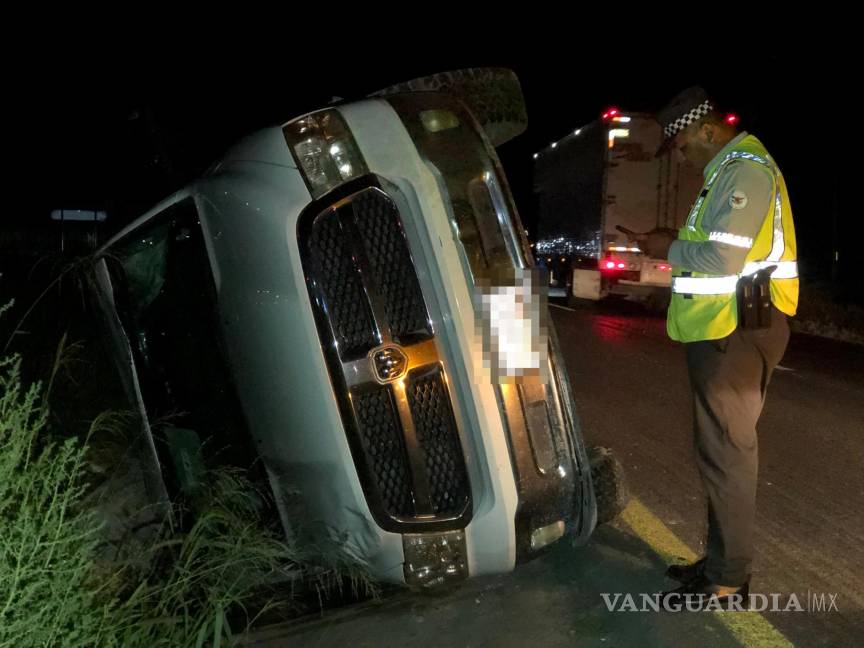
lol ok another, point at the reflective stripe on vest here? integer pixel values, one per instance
(726, 285)
(731, 239)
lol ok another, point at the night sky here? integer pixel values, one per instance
(121, 132)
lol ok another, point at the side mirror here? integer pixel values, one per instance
(493, 95)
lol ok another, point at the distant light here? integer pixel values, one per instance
(611, 112)
(78, 215)
(536, 155)
(623, 120)
(554, 144)
(731, 118)
(577, 131)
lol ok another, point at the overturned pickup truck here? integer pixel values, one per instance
(349, 300)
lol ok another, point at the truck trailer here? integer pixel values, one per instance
(600, 177)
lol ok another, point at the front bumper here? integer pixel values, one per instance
(550, 462)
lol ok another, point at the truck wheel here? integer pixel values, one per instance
(493, 95)
(610, 488)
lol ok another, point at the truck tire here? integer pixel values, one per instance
(493, 95)
(610, 487)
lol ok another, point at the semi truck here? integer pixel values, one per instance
(596, 183)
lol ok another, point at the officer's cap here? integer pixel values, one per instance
(688, 107)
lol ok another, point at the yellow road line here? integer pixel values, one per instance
(750, 628)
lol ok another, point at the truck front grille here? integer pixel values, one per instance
(384, 364)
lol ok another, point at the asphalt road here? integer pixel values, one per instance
(631, 386)
(632, 390)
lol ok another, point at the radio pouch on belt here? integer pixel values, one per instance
(754, 299)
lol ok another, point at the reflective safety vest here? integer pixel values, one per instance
(704, 306)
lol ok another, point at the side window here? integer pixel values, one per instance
(166, 299)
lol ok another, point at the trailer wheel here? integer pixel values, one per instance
(610, 487)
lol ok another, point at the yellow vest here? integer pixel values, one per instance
(703, 306)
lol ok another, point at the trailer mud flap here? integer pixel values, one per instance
(587, 284)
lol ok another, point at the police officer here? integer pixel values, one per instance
(739, 231)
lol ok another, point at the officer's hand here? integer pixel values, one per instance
(656, 242)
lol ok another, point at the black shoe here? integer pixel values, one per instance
(686, 573)
(698, 594)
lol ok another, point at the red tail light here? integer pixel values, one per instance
(612, 264)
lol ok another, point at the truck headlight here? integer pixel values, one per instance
(546, 535)
(325, 150)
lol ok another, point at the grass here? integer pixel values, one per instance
(819, 313)
(46, 541)
(218, 563)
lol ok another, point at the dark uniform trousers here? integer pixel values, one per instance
(729, 378)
